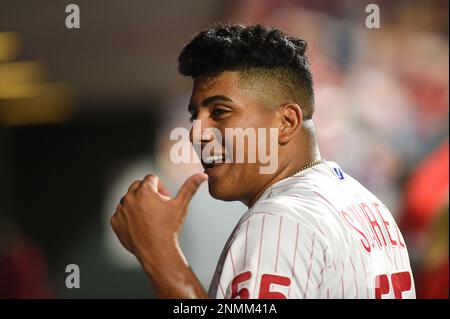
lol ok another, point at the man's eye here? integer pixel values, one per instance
(218, 112)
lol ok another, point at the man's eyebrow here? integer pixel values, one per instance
(209, 100)
(216, 98)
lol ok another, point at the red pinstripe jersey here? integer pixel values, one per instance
(318, 234)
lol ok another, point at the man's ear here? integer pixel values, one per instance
(291, 121)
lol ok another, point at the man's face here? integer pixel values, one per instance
(222, 102)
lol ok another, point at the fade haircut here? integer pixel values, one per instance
(257, 52)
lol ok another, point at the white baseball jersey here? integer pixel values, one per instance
(318, 234)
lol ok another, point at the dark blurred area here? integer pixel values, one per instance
(84, 112)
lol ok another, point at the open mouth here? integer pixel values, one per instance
(213, 161)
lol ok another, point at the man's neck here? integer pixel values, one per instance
(283, 173)
(307, 153)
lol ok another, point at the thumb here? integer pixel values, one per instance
(189, 188)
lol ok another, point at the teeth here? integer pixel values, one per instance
(215, 158)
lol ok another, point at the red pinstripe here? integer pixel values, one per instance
(387, 254)
(323, 268)
(400, 251)
(321, 277)
(295, 250)
(259, 254)
(295, 254)
(221, 289)
(245, 252)
(354, 270)
(232, 262)
(278, 244)
(342, 279)
(395, 259)
(365, 271)
(310, 264)
(327, 201)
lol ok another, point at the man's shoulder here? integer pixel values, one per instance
(302, 209)
(306, 211)
(294, 200)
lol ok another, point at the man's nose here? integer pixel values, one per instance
(200, 133)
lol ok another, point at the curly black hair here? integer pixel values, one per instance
(248, 48)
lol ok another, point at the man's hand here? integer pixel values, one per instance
(147, 222)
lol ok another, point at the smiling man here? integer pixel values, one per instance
(311, 230)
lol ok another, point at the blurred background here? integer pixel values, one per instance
(85, 112)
